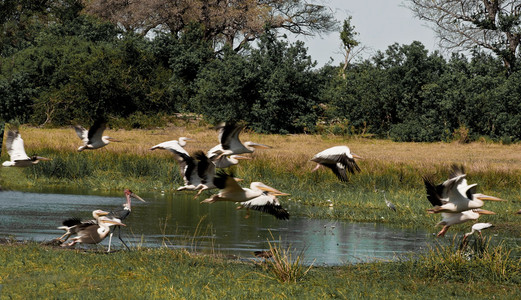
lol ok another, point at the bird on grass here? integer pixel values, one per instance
(15, 148)
(477, 228)
(91, 233)
(93, 138)
(339, 159)
(72, 225)
(122, 214)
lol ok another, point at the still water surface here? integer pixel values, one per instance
(179, 221)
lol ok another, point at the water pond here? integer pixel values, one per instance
(179, 221)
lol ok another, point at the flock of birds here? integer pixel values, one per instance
(455, 199)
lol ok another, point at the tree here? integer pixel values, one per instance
(347, 35)
(226, 22)
(465, 24)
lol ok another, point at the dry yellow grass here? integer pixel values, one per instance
(296, 150)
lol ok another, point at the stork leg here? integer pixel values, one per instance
(119, 236)
(110, 240)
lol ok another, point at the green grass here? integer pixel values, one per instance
(31, 271)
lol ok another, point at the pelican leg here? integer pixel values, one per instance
(110, 240)
(443, 231)
(316, 168)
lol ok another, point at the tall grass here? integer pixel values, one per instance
(285, 263)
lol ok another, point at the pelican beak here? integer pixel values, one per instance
(484, 212)
(241, 157)
(271, 190)
(42, 158)
(280, 194)
(103, 213)
(112, 139)
(356, 156)
(238, 179)
(114, 222)
(137, 197)
(489, 198)
(261, 146)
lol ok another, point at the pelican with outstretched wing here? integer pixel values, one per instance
(339, 159)
(15, 148)
(93, 138)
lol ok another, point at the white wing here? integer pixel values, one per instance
(15, 146)
(82, 133)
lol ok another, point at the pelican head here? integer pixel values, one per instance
(99, 213)
(182, 141)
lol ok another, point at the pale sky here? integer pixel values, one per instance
(380, 23)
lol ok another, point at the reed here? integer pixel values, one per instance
(285, 263)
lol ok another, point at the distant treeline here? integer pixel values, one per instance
(78, 68)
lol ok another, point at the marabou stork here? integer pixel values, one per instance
(122, 214)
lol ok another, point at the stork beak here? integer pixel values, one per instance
(484, 212)
(489, 198)
(137, 197)
(42, 158)
(356, 156)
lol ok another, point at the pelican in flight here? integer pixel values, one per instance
(339, 159)
(230, 190)
(455, 195)
(122, 214)
(439, 196)
(15, 148)
(93, 138)
(267, 202)
(93, 233)
(230, 144)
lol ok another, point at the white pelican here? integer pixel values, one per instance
(338, 159)
(94, 233)
(450, 219)
(230, 144)
(72, 225)
(477, 227)
(223, 161)
(93, 138)
(267, 202)
(16, 151)
(230, 190)
(452, 196)
(198, 172)
(122, 214)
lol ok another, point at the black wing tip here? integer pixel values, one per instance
(71, 222)
(220, 178)
(275, 210)
(456, 170)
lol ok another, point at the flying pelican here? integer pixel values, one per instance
(267, 202)
(93, 138)
(15, 148)
(93, 233)
(338, 159)
(477, 227)
(230, 144)
(438, 196)
(122, 214)
(223, 161)
(455, 195)
(230, 190)
(450, 219)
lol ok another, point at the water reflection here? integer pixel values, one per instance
(179, 221)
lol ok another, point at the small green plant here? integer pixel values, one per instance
(284, 265)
